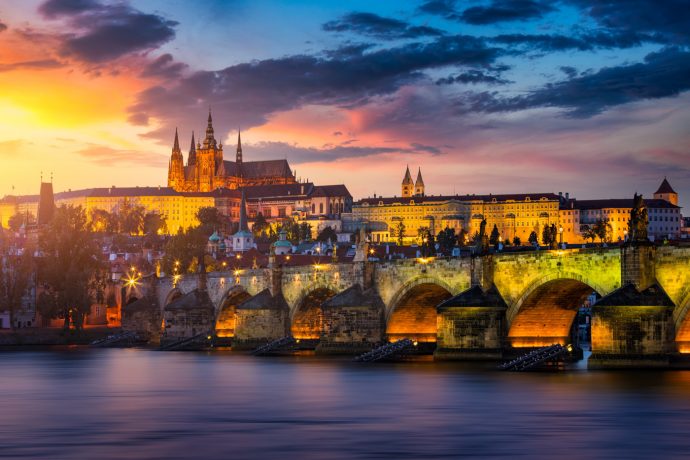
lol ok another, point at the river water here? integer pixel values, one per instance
(128, 403)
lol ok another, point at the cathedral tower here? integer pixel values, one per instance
(176, 166)
(419, 184)
(407, 184)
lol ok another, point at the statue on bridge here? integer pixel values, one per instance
(482, 239)
(637, 225)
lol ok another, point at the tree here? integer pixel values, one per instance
(327, 234)
(260, 226)
(16, 221)
(602, 229)
(182, 249)
(533, 239)
(154, 223)
(427, 239)
(101, 220)
(130, 218)
(16, 273)
(517, 241)
(210, 218)
(548, 235)
(446, 239)
(495, 236)
(70, 267)
(398, 232)
(588, 232)
(304, 232)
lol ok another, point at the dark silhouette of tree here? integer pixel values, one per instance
(446, 239)
(16, 274)
(602, 229)
(260, 226)
(327, 234)
(210, 218)
(427, 240)
(517, 241)
(70, 267)
(304, 232)
(588, 232)
(533, 239)
(16, 221)
(154, 223)
(495, 235)
(398, 232)
(101, 220)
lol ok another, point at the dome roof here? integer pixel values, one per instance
(214, 238)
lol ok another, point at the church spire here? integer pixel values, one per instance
(209, 141)
(239, 148)
(407, 184)
(419, 184)
(192, 153)
(243, 214)
(176, 145)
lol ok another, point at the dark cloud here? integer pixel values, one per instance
(164, 66)
(296, 155)
(670, 18)
(3, 26)
(506, 10)
(105, 32)
(439, 7)
(662, 74)
(337, 133)
(36, 65)
(473, 77)
(582, 42)
(247, 93)
(376, 26)
(571, 72)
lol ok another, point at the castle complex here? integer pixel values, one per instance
(206, 170)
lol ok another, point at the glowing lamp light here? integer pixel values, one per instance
(237, 272)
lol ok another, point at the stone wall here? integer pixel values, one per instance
(631, 335)
(470, 333)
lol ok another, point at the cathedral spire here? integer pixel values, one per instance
(239, 148)
(192, 152)
(209, 141)
(176, 145)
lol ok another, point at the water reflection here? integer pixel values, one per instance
(104, 404)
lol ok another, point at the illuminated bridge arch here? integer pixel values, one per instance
(412, 311)
(226, 311)
(306, 317)
(174, 294)
(682, 324)
(544, 313)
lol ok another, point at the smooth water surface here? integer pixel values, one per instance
(120, 404)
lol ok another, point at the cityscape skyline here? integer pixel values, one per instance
(476, 94)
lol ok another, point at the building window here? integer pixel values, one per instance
(320, 208)
(281, 212)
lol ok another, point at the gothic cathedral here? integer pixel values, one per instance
(206, 170)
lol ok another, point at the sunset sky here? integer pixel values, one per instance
(582, 96)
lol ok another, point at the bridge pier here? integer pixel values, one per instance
(353, 322)
(471, 325)
(633, 326)
(260, 320)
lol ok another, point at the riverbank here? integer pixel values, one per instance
(53, 336)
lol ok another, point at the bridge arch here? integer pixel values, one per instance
(174, 294)
(306, 317)
(226, 317)
(545, 311)
(411, 312)
(682, 324)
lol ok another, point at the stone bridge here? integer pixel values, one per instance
(471, 307)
